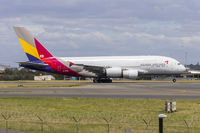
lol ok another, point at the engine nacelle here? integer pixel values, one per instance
(115, 72)
(130, 74)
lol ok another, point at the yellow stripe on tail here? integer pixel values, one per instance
(29, 49)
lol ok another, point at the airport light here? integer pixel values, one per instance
(161, 117)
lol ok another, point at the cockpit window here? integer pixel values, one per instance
(179, 63)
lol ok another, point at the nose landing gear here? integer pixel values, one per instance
(174, 80)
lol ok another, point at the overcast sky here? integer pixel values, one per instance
(103, 27)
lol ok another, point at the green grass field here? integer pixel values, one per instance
(37, 85)
(58, 114)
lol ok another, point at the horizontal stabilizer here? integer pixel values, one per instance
(31, 64)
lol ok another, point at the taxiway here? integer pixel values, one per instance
(157, 90)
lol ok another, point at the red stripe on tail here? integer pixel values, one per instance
(43, 52)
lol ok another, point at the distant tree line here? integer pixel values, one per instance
(194, 67)
(24, 74)
(27, 74)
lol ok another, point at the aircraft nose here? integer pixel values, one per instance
(182, 68)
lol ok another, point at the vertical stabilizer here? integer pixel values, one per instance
(32, 47)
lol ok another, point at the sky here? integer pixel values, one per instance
(69, 28)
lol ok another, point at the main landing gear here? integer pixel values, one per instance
(102, 80)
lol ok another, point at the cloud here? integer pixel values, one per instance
(93, 27)
(11, 20)
(191, 40)
(92, 36)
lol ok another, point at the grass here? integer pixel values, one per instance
(58, 114)
(37, 85)
(14, 91)
(46, 81)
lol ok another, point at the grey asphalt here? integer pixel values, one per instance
(146, 90)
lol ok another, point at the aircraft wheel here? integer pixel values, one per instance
(109, 80)
(102, 80)
(95, 81)
(174, 80)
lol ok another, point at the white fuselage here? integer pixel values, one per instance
(144, 64)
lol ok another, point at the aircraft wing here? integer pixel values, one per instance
(100, 71)
(95, 70)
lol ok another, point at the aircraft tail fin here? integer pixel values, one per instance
(32, 47)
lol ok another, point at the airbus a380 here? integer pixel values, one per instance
(101, 68)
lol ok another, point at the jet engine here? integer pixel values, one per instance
(114, 72)
(130, 74)
(117, 72)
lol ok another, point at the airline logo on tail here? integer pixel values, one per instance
(37, 53)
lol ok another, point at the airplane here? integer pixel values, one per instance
(101, 68)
